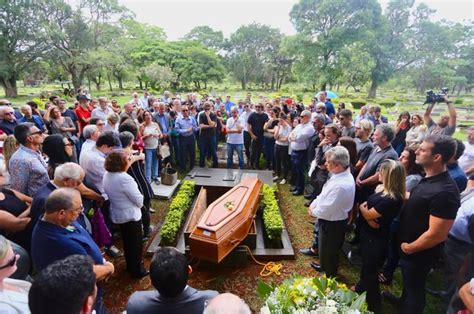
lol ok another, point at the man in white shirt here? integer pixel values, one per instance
(331, 208)
(103, 111)
(247, 138)
(91, 134)
(235, 138)
(299, 142)
(143, 101)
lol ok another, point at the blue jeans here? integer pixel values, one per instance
(230, 154)
(207, 145)
(151, 164)
(298, 162)
(269, 148)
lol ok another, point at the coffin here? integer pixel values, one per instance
(226, 222)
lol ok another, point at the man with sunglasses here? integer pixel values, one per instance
(28, 170)
(8, 121)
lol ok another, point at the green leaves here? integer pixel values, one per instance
(272, 220)
(264, 289)
(175, 215)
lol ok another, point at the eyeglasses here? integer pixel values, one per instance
(185, 110)
(37, 133)
(11, 262)
(8, 113)
(79, 209)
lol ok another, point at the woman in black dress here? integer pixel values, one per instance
(137, 171)
(378, 212)
(59, 150)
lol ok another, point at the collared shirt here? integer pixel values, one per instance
(336, 198)
(467, 159)
(95, 169)
(82, 113)
(51, 242)
(376, 121)
(143, 102)
(34, 119)
(163, 120)
(102, 114)
(86, 147)
(463, 227)
(300, 136)
(8, 126)
(228, 106)
(458, 176)
(28, 171)
(376, 158)
(183, 124)
(245, 116)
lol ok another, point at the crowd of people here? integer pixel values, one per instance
(76, 179)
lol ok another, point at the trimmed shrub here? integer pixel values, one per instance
(272, 220)
(175, 215)
(358, 103)
(458, 101)
(387, 103)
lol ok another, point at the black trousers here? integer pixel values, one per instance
(146, 216)
(331, 238)
(256, 148)
(372, 250)
(132, 246)
(282, 161)
(247, 142)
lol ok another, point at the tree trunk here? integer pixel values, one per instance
(244, 85)
(76, 81)
(373, 89)
(120, 82)
(205, 84)
(323, 86)
(9, 86)
(109, 79)
(140, 82)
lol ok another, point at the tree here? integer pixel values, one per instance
(20, 46)
(201, 66)
(158, 76)
(206, 36)
(356, 64)
(75, 32)
(249, 49)
(324, 27)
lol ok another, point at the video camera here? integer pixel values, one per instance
(432, 98)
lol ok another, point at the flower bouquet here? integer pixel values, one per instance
(319, 295)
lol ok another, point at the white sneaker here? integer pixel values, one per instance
(275, 178)
(283, 181)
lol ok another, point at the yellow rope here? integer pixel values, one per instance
(268, 268)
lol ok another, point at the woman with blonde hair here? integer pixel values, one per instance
(13, 292)
(416, 134)
(10, 145)
(378, 211)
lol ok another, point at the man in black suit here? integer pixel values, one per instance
(169, 273)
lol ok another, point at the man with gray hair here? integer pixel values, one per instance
(331, 208)
(368, 177)
(67, 175)
(91, 134)
(103, 111)
(299, 142)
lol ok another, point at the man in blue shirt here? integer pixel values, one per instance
(454, 170)
(28, 116)
(228, 105)
(186, 126)
(330, 111)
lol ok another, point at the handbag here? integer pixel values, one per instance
(169, 176)
(100, 232)
(164, 150)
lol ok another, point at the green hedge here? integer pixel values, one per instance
(271, 214)
(387, 103)
(175, 215)
(358, 103)
(458, 101)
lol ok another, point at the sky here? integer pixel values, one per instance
(178, 17)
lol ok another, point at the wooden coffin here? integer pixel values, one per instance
(226, 222)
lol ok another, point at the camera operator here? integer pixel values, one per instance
(446, 125)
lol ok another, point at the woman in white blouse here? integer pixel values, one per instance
(126, 202)
(282, 158)
(13, 292)
(417, 132)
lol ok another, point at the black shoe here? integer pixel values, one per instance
(141, 275)
(392, 298)
(316, 267)
(308, 196)
(113, 252)
(308, 202)
(309, 252)
(292, 188)
(296, 193)
(438, 293)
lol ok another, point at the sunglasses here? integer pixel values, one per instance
(11, 262)
(37, 133)
(185, 110)
(8, 113)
